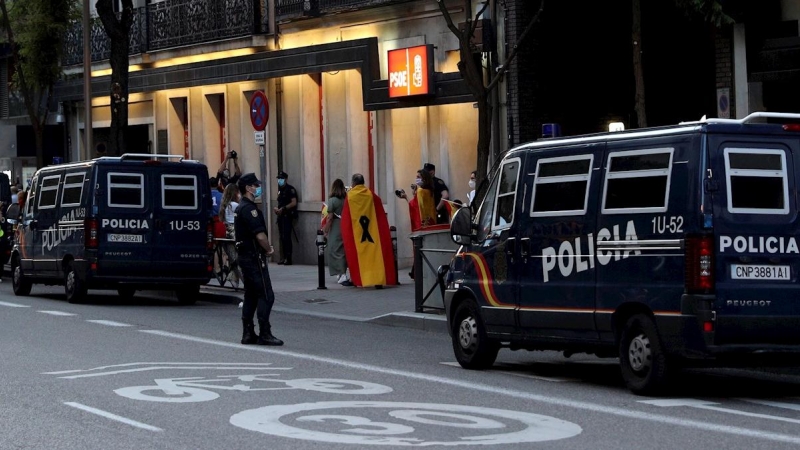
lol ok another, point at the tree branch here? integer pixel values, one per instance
(453, 28)
(503, 68)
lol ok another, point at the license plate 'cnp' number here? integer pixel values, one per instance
(124, 238)
(760, 272)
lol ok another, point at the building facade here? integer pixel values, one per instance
(195, 66)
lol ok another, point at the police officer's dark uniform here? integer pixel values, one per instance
(249, 223)
(438, 187)
(286, 216)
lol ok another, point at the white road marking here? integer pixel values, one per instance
(148, 369)
(556, 401)
(277, 420)
(56, 313)
(109, 323)
(709, 406)
(792, 406)
(499, 369)
(14, 305)
(111, 416)
(156, 364)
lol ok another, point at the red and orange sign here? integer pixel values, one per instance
(410, 71)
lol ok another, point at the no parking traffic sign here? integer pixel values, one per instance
(259, 111)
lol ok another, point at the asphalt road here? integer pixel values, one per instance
(150, 374)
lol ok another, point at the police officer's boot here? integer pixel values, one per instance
(249, 336)
(266, 337)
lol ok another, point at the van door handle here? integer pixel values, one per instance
(525, 249)
(511, 248)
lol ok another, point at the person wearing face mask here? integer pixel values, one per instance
(253, 247)
(286, 211)
(471, 196)
(425, 198)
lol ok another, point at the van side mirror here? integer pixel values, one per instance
(461, 227)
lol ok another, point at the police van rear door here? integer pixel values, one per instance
(125, 216)
(181, 220)
(757, 236)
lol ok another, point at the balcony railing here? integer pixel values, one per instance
(175, 23)
(287, 9)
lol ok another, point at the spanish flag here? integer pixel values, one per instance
(367, 242)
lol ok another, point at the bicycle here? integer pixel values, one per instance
(222, 267)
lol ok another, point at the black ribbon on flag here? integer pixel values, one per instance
(364, 222)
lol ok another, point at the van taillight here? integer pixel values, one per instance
(699, 264)
(210, 235)
(90, 233)
(792, 127)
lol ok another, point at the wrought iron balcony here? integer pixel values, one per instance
(175, 23)
(288, 9)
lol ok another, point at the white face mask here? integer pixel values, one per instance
(418, 181)
(472, 184)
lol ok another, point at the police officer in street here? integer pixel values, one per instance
(254, 249)
(287, 213)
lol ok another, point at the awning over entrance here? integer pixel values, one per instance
(361, 54)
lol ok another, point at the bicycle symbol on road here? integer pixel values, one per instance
(198, 389)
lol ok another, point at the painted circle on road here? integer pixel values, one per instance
(393, 423)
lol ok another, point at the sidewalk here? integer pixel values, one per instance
(296, 293)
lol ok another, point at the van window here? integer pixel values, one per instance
(73, 189)
(757, 181)
(637, 181)
(125, 190)
(506, 194)
(486, 212)
(561, 186)
(179, 192)
(48, 193)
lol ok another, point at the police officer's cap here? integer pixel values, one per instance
(282, 174)
(429, 167)
(249, 179)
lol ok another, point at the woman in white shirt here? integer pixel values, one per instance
(230, 199)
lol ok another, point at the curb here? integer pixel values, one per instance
(417, 321)
(420, 321)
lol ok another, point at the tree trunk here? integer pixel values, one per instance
(638, 72)
(484, 137)
(118, 31)
(38, 132)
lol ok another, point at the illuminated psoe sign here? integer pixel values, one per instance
(410, 71)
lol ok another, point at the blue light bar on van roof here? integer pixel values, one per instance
(551, 130)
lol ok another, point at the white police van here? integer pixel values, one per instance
(666, 247)
(138, 221)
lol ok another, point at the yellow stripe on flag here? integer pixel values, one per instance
(367, 238)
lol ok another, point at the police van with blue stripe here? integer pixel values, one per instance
(138, 221)
(666, 247)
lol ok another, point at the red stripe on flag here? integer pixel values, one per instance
(351, 254)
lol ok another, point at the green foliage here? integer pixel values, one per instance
(710, 10)
(40, 28)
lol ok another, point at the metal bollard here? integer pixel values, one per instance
(322, 242)
(393, 232)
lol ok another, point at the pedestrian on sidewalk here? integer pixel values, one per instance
(287, 213)
(334, 250)
(367, 242)
(230, 200)
(254, 248)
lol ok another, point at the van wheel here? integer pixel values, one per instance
(21, 284)
(472, 348)
(645, 367)
(126, 293)
(187, 295)
(74, 288)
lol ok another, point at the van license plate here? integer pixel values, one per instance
(760, 272)
(124, 238)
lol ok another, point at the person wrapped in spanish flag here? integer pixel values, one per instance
(367, 242)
